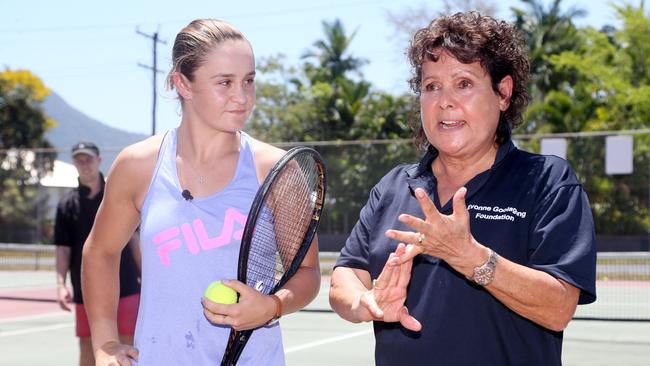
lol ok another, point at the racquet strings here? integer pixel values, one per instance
(282, 223)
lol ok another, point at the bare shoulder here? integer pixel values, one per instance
(266, 156)
(132, 158)
(133, 168)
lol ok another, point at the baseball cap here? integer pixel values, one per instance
(85, 147)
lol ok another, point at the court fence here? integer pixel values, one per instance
(619, 198)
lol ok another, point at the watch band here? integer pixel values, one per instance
(484, 274)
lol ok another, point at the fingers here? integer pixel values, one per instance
(410, 253)
(407, 236)
(367, 300)
(123, 360)
(393, 259)
(460, 208)
(237, 285)
(408, 321)
(405, 274)
(115, 354)
(133, 353)
(394, 278)
(218, 313)
(384, 280)
(64, 306)
(428, 207)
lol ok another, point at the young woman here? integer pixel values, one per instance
(190, 190)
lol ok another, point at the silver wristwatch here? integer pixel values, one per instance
(484, 274)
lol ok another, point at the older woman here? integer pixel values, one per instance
(481, 252)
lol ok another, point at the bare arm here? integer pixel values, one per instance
(533, 294)
(303, 287)
(134, 246)
(117, 218)
(346, 288)
(62, 267)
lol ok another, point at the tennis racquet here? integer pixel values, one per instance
(280, 227)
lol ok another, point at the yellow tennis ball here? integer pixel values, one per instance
(220, 293)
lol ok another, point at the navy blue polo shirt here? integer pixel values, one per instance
(530, 209)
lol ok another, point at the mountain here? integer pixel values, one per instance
(74, 126)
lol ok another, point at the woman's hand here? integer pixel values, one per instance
(115, 354)
(253, 309)
(385, 300)
(447, 237)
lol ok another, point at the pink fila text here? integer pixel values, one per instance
(195, 236)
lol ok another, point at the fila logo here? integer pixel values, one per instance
(196, 238)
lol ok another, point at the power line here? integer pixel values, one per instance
(155, 71)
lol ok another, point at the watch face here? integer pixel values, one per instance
(484, 274)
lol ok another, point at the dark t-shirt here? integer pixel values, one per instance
(75, 215)
(530, 209)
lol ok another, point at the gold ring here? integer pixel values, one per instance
(374, 285)
(420, 238)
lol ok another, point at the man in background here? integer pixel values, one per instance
(75, 215)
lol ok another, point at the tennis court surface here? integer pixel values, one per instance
(33, 331)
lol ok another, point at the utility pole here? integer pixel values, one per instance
(155, 70)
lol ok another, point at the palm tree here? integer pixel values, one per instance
(331, 55)
(546, 32)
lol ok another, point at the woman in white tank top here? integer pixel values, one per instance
(190, 190)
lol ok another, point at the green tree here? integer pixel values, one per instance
(326, 98)
(331, 53)
(609, 91)
(546, 32)
(22, 126)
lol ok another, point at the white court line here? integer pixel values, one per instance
(35, 329)
(35, 317)
(326, 341)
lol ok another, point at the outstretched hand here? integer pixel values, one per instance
(447, 237)
(385, 301)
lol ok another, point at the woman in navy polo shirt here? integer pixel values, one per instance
(480, 253)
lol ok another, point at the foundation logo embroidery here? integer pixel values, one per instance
(496, 213)
(195, 237)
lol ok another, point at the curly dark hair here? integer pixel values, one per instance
(472, 37)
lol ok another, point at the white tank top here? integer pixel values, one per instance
(186, 245)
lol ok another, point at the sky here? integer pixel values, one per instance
(88, 51)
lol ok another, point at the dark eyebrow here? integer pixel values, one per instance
(252, 73)
(466, 71)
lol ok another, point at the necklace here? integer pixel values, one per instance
(200, 177)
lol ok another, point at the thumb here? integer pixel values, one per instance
(460, 208)
(133, 353)
(368, 301)
(408, 321)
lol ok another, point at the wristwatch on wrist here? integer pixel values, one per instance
(484, 274)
